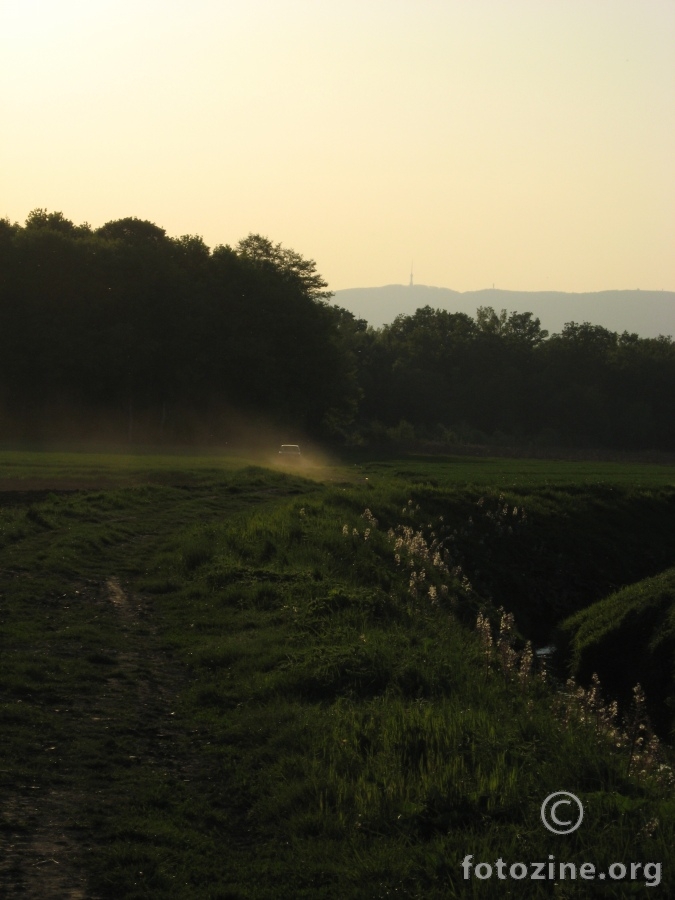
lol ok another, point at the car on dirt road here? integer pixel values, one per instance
(290, 453)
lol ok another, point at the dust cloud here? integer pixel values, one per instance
(222, 431)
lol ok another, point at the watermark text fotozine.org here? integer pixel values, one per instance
(649, 872)
(562, 813)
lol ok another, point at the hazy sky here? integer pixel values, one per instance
(526, 143)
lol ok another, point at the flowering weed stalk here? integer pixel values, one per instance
(645, 756)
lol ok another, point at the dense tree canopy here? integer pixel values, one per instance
(124, 319)
(166, 338)
(501, 375)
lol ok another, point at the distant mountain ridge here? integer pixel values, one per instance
(647, 313)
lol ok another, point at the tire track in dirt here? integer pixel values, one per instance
(43, 839)
(118, 598)
(42, 859)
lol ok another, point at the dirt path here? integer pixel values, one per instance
(44, 840)
(41, 859)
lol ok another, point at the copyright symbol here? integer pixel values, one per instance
(562, 820)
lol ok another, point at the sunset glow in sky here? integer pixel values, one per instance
(524, 143)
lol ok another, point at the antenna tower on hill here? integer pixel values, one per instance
(411, 274)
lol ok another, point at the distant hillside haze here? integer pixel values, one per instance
(646, 313)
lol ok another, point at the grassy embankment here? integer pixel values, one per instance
(212, 688)
(634, 625)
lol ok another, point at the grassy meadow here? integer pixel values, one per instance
(220, 679)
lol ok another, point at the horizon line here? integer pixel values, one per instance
(497, 290)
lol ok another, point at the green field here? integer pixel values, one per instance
(223, 680)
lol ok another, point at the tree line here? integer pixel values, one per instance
(169, 340)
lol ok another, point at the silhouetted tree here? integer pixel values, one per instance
(126, 321)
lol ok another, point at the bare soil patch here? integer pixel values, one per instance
(44, 833)
(42, 851)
